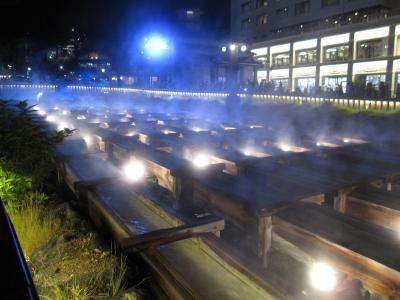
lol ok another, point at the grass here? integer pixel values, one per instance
(105, 283)
(35, 224)
(373, 112)
(33, 227)
(69, 292)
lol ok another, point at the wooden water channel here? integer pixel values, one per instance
(248, 225)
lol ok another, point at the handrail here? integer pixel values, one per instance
(17, 282)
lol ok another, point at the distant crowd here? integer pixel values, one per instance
(351, 90)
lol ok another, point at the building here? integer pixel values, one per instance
(258, 20)
(353, 57)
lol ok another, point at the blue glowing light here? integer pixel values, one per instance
(156, 44)
(156, 47)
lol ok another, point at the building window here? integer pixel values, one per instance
(372, 48)
(282, 12)
(262, 20)
(336, 53)
(247, 6)
(327, 3)
(306, 57)
(281, 85)
(281, 59)
(246, 23)
(305, 85)
(261, 3)
(302, 7)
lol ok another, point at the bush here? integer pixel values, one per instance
(26, 153)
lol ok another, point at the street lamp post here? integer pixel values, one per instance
(234, 50)
(28, 71)
(233, 102)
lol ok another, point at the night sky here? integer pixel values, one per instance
(103, 21)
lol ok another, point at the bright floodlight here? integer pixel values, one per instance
(285, 148)
(223, 49)
(232, 47)
(201, 161)
(88, 140)
(134, 171)
(62, 126)
(103, 70)
(51, 118)
(156, 44)
(323, 277)
(155, 47)
(318, 144)
(247, 152)
(61, 67)
(346, 141)
(243, 48)
(41, 111)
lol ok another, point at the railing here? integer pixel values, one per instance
(355, 103)
(17, 281)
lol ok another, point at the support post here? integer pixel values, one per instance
(264, 238)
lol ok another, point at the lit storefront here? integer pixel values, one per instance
(304, 79)
(372, 72)
(280, 79)
(333, 76)
(368, 57)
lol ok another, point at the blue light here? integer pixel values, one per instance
(156, 47)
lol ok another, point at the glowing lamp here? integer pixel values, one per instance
(247, 152)
(62, 126)
(323, 277)
(156, 44)
(201, 161)
(223, 49)
(318, 144)
(243, 48)
(232, 47)
(285, 148)
(51, 118)
(88, 140)
(346, 141)
(134, 171)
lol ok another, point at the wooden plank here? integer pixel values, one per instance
(170, 235)
(376, 206)
(353, 247)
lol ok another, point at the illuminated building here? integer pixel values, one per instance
(259, 20)
(358, 44)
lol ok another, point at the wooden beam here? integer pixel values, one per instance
(264, 238)
(170, 235)
(339, 202)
